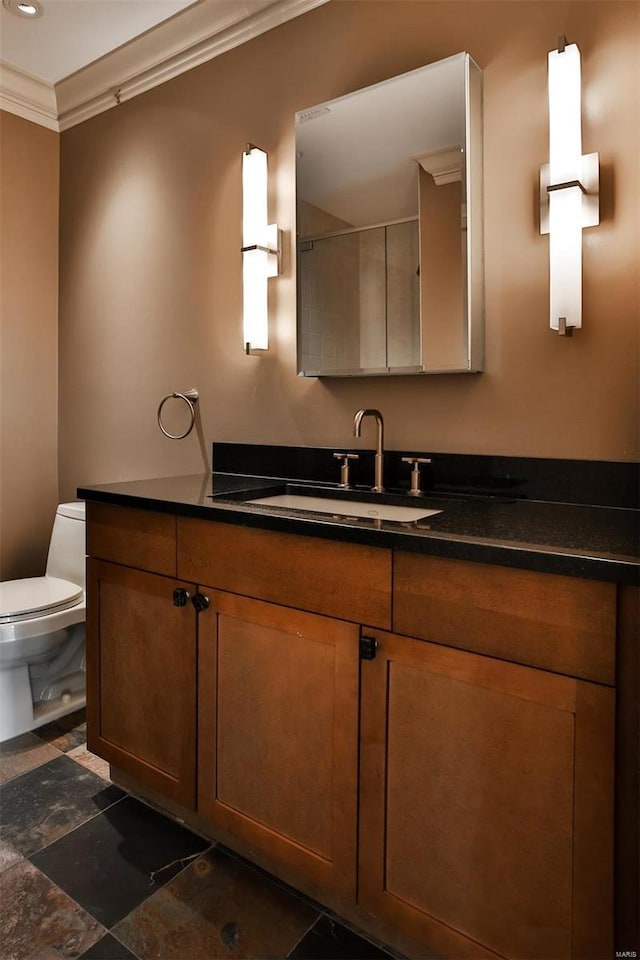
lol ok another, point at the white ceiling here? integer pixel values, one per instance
(73, 33)
(82, 57)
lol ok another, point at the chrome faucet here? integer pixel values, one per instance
(378, 485)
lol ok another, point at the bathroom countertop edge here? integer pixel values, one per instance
(190, 496)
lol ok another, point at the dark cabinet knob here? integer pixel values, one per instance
(368, 648)
(200, 602)
(180, 597)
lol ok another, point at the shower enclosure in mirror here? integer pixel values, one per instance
(389, 214)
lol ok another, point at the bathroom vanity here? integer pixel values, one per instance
(417, 728)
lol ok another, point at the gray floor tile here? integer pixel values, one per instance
(49, 801)
(115, 861)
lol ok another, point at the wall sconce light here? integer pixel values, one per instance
(261, 249)
(569, 189)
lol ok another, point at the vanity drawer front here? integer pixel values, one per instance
(558, 623)
(344, 580)
(136, 538)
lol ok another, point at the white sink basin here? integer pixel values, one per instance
(347, 508)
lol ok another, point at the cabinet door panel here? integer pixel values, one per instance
(474, 809)
(141, 675)
(278, 735)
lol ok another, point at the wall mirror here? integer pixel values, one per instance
(389, 226)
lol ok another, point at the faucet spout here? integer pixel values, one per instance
(378, 485)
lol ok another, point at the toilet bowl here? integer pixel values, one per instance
(42, 632)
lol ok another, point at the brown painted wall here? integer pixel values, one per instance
(151, 234)
(29, 186)
(441, 274)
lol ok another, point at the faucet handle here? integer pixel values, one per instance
(415, 473)
(344, 466)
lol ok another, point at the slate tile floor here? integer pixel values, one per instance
(89, 872)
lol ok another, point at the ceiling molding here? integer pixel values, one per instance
(185, 41)
(445, 166)
(28, 97)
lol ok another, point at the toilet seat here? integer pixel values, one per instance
(36, 597)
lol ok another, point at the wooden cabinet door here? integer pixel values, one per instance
(278, 736)
(486, 804)
(141, 678)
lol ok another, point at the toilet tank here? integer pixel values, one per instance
(67, 550)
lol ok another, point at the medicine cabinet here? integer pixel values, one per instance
(389, 226)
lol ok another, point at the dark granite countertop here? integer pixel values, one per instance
(599, 543)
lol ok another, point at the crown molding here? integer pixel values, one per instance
(192, 37)
(28, 97)
(445, 166)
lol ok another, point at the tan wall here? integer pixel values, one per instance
(29, 185)
(151, 235)
(441, 276)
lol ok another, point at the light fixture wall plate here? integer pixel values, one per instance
(261, 250)
(569, 189)
(590, 180)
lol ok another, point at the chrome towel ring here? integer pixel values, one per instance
(190, 397)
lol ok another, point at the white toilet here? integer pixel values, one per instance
(42, 630)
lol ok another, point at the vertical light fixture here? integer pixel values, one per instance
(260, 249)
(569, 189)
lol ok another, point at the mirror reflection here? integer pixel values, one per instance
(387, 180)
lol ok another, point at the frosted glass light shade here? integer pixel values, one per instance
(565, 258)
(259, 250)
(565, 190)
(565, 124)
(255, 300)
(254, 196)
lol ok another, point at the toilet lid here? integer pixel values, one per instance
(35, 597)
